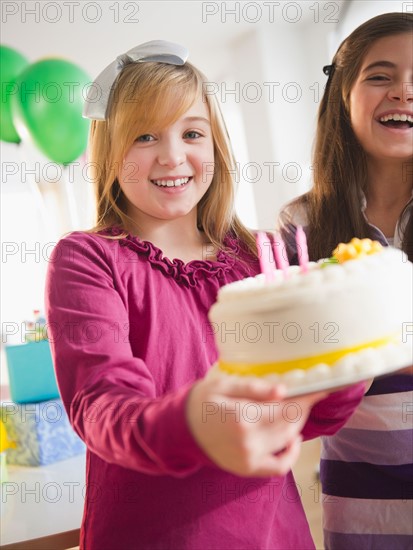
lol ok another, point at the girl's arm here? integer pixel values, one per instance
(108, 393)
(331, 414)
(111, 399)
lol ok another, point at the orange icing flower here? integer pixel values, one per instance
(356, 248)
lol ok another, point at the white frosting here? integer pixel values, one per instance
(329, 308)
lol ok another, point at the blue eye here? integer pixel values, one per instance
(145, 138)
(192, 134)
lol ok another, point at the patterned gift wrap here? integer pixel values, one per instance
(41, 432)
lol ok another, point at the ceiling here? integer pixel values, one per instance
(92, 34)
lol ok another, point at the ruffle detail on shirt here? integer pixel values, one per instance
(186, 274)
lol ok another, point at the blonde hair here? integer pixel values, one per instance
(155, 95)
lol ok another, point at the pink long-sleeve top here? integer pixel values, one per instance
(129, 335)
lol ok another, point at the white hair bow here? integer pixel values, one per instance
(97, 98)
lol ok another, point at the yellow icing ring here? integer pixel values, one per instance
(262, 369)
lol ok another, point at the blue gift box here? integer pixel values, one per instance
(41, 432)
(31, 372)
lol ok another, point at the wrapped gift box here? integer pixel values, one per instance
(5, 444)
(31, 372)
(41, 432)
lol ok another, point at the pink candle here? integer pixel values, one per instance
(265, 256)
(279, 251)
(302, 250)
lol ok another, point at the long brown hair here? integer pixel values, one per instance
(340, 166)
(155, 95)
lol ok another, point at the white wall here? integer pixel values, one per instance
(358, 11)
(279, 76)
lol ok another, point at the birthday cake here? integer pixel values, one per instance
(347, 313)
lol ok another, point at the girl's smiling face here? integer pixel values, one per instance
(166, 172)
(381, 100)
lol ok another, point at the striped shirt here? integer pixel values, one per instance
(366, 468)
(367, 473)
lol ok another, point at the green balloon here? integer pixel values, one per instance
(12, 63)
(48, 108)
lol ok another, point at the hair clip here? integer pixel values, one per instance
(157, 50)
(329, 69)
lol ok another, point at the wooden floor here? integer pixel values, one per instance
(306, 479)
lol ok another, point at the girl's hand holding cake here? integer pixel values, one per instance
(244, 425)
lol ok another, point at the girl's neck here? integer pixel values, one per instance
(389, 190)
(178, 239)
(389, 183)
